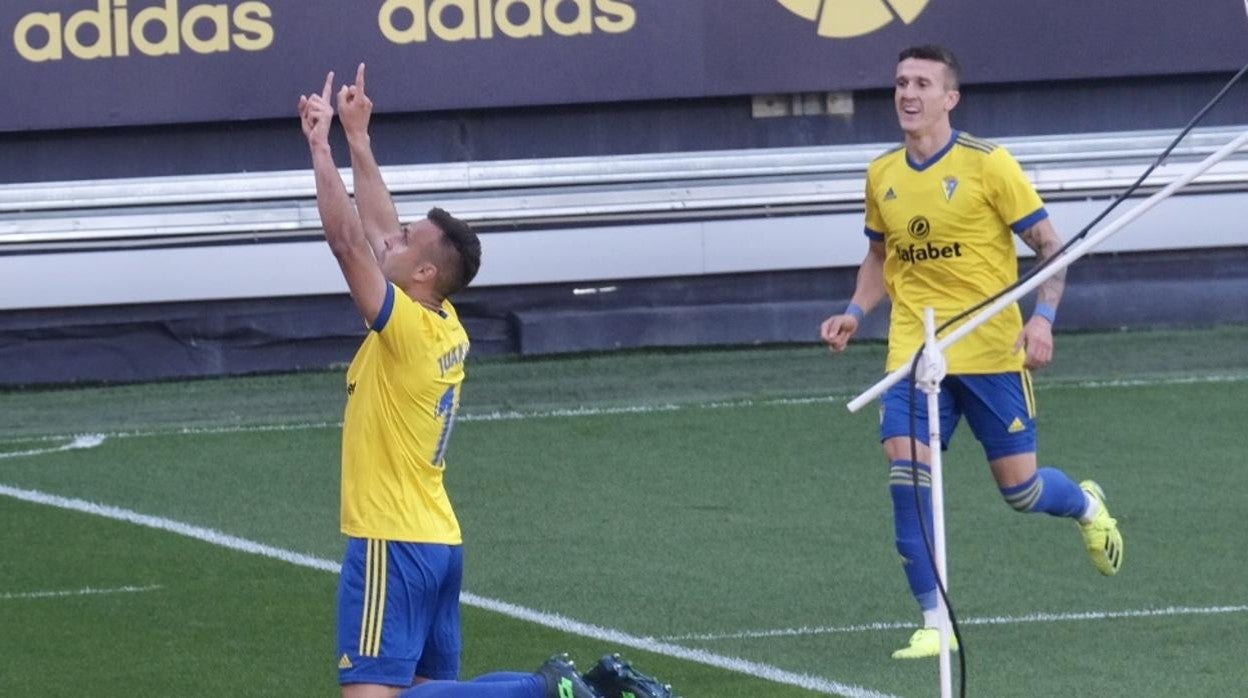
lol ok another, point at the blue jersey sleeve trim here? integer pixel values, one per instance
(387, 307)
(1028, 221)
(873, 234)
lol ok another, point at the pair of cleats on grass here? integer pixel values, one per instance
(611, 677)
(1102, 540)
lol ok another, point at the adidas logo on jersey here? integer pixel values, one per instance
(345, 662)
(890, 194)
(1016, 426)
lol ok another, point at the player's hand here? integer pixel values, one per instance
(354, 107)
(837, 330)
(932, 367)
(316, 113)
(1037, 339)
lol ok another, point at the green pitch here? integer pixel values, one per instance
(712, 514)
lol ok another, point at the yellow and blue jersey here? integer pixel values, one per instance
(947, 226)
(402, 395)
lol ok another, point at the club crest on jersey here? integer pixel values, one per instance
(951, 185)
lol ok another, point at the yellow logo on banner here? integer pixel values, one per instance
(842, 19)
(414, 21)
(114, 29)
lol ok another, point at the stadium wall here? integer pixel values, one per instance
(603, 79)
(994, 112)
(1114, 291)
(143, 285)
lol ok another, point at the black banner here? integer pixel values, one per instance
(90, 63)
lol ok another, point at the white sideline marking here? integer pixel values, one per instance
(207, 535)
(550, 620)
(83, 441)
(87, 591)
(991, 620)
(517, 415)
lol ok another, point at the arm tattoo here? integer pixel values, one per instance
(1046, 244)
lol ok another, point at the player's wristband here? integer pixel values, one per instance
(1045, 311)
(855, 310)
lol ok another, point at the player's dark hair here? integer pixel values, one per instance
(465, 248)
(939, 54)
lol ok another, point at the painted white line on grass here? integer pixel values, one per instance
(518, 415)
(991, 620)
(86, 591)
(585, 411)
(1150, 382)
(792, 632)
(82, 441)
(581, 411)
(181, 431)
(207, 535)
(550, 620)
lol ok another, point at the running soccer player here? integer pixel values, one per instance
(398, 595)
(941, 212)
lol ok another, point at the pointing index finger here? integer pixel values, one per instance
(329, 86)
(359, 77)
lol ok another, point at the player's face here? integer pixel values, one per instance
(922, 96)
(408, 252)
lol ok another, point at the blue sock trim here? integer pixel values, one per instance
(1024, 497)
(901, 472)
(929, 601)
(1049, 491)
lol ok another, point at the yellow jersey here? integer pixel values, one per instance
(402, 395)
(947, 226)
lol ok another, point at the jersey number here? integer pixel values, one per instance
(447, 407)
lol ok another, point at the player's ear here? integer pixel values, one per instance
(952, 97)
(425, 272)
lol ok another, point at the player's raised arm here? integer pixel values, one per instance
(372, 198)
(343, 229)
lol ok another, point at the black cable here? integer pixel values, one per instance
(914, 456)
(1113, 205)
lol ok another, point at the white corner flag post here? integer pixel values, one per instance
(932, 364)
(929, 373)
